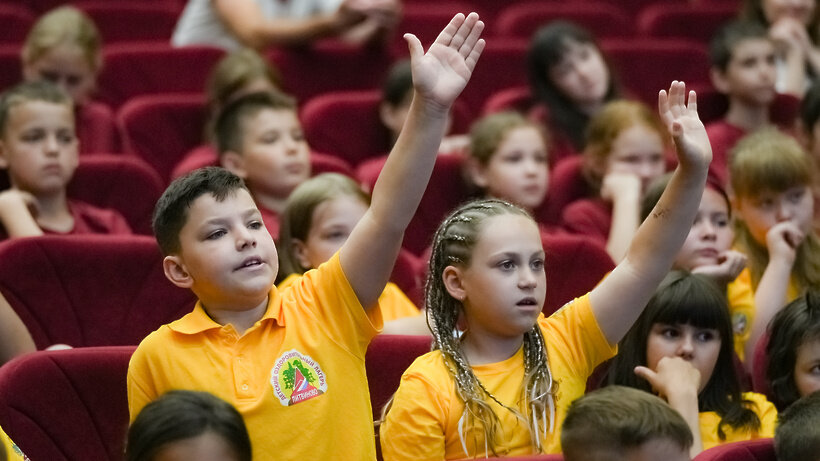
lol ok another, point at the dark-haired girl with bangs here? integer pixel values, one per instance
(681, 348)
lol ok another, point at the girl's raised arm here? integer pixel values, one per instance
(439, 76)
(619, 299)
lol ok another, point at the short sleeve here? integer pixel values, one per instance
(414, 427)
(139, 393)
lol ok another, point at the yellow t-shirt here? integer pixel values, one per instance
(742, 307)
(297, 376)
(393, 303)
(13, 452)
(764, 409)
(423, 423)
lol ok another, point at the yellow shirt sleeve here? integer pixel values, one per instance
(12, 451)
(764, 409)
(741, 309)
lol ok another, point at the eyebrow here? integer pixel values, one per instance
(221, 220)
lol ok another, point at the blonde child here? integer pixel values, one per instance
(188, 425)
(259, 138)
(508, 159)
(504, 385)
(64, 47)
(319, 216)
(292, 361)
(38, 149)
(681, 348)
(793, 350)
(708, 251)
(624, 153)
(772, 180)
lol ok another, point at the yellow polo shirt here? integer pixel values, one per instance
(742, 307)
(297, 376)
(423, 423)
(12, 451)
(764, 409)
(393, 303)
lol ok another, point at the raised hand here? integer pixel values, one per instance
(441, 74)
(682, 120)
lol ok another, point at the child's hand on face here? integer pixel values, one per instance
(441, 74)
(692, 145)
(18, 200)
(617, 185)
(673, 377)
(730, 264)
(789, 35)
(782, 241)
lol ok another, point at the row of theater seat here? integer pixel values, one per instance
(137, 20)
(80, 410)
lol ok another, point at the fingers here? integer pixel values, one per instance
(446, 35)
(475, 53)
(646, 373)
(693, 102)
(414, 45)
(464, 30)
(472, 37)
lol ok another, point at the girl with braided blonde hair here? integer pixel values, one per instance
(502, 386)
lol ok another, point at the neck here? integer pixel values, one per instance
(482, 348)
(749, 117)
(53, 212)
(241, 318)
(271, 202)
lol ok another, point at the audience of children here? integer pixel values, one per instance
(38, 150)
(681, 348)
(259, 138)
(472, 396)
(793, 26)
(306, 342)
(796, 437)
(571, 80)
(773, 180)
(707, 251)
(743, 69)
(624, 152)
(503, 380)
(318, 218)
(64, 47)
(619, 423)
(793, 350)
(232, 24)
(188, 425)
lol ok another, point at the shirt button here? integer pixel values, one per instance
(244, 387)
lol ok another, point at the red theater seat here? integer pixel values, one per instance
(67, 405)
(11, 70)
(750, 450)
(698, 23)
(16, 22)
(137, 69)
(574, 266)
(517, 98)
(566, 185)
(425, 21)
(129, 21)
(161, 129)
(89, 290)
(387, 358)
(522, 19)
(760, 362)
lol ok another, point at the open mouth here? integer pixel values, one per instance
(527, 302)
(250, 262)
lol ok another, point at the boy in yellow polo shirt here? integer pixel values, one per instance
(292, 361)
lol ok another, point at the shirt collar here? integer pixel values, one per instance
(199, 321)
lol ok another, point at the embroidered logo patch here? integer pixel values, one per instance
(296, 378)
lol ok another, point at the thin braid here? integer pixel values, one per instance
(452, 245)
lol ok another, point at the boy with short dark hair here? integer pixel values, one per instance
(259, 138)
(622, 423)
(292, 361)
(797, 435)
(743, 69)
(39, 150)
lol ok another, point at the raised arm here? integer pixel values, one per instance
(620, 298)
(245, 20)
(368, 255)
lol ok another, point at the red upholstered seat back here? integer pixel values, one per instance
(574, 266)
(749, 450)
(566, 185)
(89, 290)
(523, 19)
(67, 405)
(387, 358)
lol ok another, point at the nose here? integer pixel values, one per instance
(708, 230)
(527, 280)
(686, 347)
(52, 145)
(784, 211)
(245, 238)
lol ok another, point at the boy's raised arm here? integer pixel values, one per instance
(439, 76)
(621, 297)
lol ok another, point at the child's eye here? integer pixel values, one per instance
(298, 135)
(537, 264)
(705, 336)
(215, 234)
(795, 196)
(721, 220)
(33, 136)
(506, 265)
(670, 332)
(65, 137)
(255, 225)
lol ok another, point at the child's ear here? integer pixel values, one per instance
(300, 252)
(719, 80)
(176, 272)
(234, 162)
(476, 172)
(451, 276)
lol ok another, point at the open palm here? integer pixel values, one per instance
(684, 124)
(442, 73)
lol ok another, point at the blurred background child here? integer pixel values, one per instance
(680, 348)
(624, 152)
(64, 47)
(571, 81)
